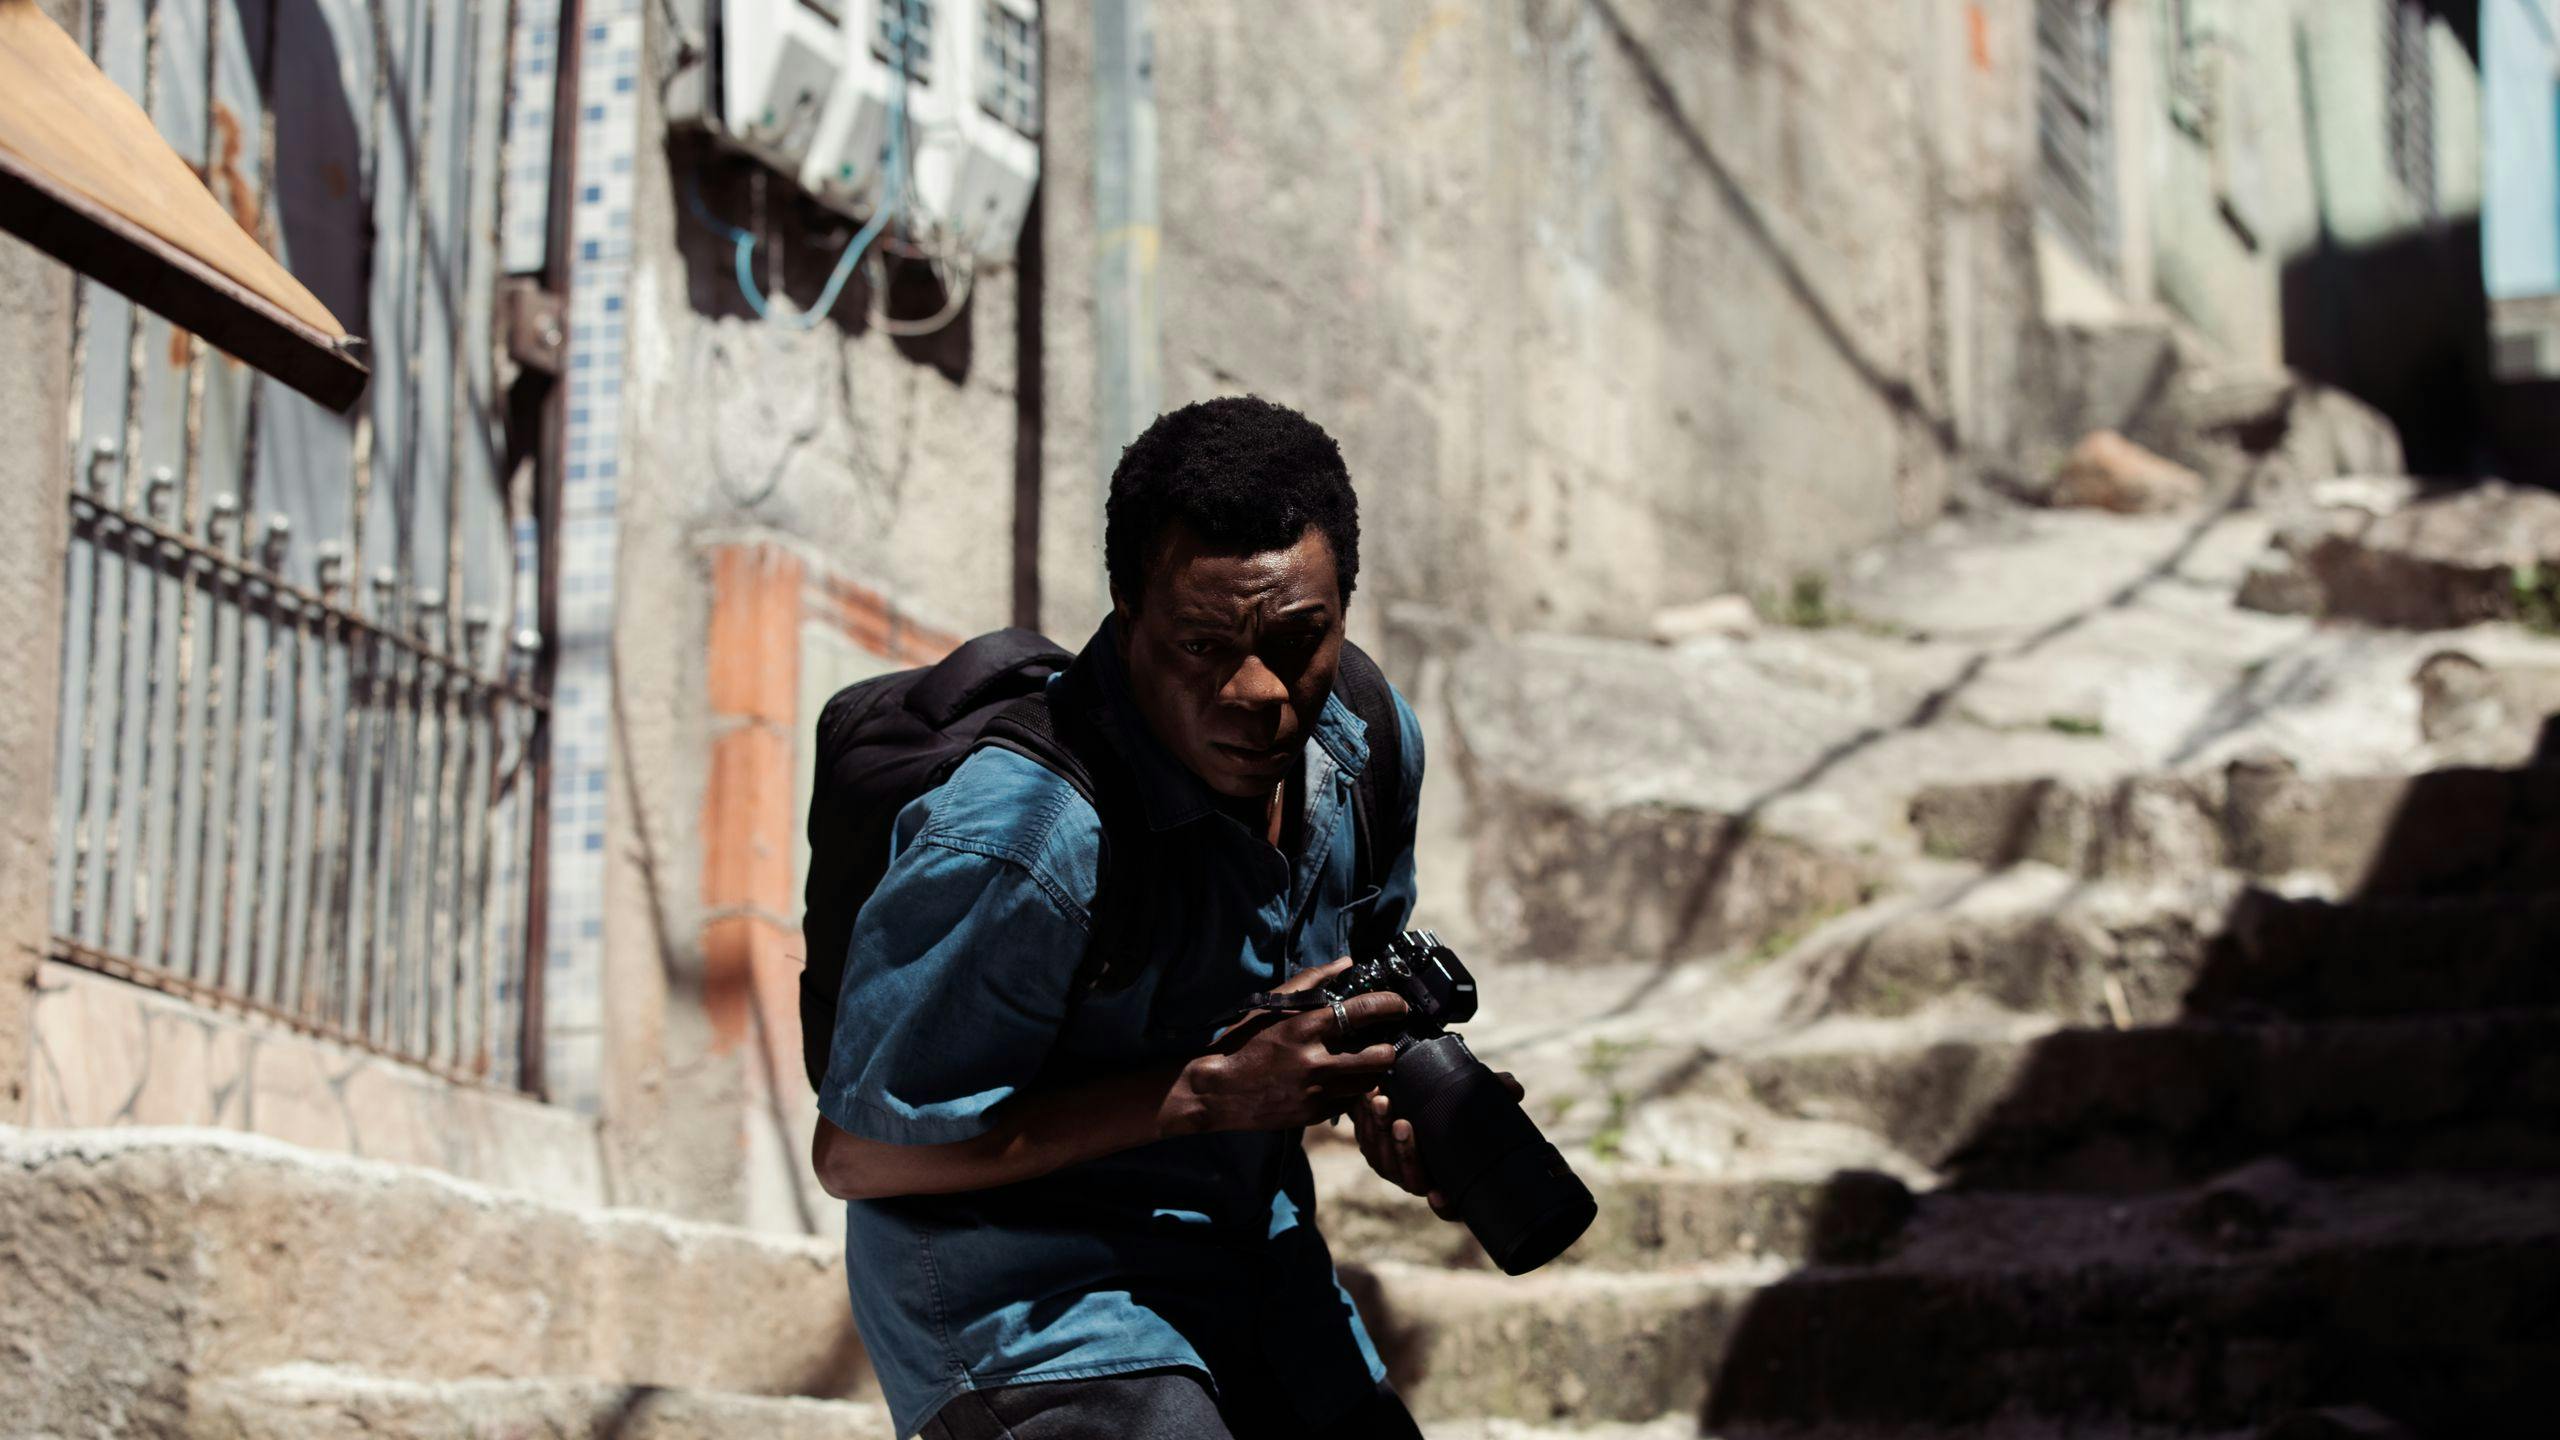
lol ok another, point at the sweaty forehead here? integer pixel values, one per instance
(1211, 588)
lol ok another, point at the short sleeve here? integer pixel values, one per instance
(1397, 893)
(955, 986)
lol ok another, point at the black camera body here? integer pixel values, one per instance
(1483, 1153)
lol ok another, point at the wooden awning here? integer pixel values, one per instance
(86, 178)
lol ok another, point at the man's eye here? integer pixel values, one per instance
(1198, 648)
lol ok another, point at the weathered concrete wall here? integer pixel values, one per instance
(109, 1053)
(2276, 147)
(2258, 206)
(1613, 303)
(892, 461)
(35, 377)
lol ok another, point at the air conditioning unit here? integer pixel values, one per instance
(847, 168)
(810, 87)
(972, 104)
(780, 63)
(987, 186)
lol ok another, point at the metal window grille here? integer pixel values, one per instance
(2075, 133)
(917, 17)
(300, 762)
(1009, 68)
(2409, 107)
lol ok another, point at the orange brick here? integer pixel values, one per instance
(747, 815)
(755, 632)
(746, 959)
(776, 960)
(920, 645)
(864, 618)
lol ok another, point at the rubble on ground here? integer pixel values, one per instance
(2445, 558)
(2105, 471)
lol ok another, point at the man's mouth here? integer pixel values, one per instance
(1253, 756)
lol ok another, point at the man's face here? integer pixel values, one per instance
(1231, 656)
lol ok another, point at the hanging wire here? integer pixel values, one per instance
(894, 194)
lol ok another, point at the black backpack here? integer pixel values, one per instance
(882, 742)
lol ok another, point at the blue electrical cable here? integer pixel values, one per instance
(892, 197)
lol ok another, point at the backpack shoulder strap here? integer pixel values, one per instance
(1053, 733)
(1378, 796)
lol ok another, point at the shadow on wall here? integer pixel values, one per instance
(319, 164)
(798, 244)
(2404, 326)
(2325, 1187)
(2524, 425)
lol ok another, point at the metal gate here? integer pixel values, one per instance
(300, 760)
(2075, 126)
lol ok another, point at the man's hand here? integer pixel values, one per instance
(1388, 1143)
(1276, 1071)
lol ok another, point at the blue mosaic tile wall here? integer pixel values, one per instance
(533, 55)
(600, 282)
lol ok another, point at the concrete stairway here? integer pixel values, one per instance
(2189, 1159)
(200, 1283)
(2036, 1152)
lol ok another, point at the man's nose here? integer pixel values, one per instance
(1255, 686)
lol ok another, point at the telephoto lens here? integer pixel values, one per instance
(1482, 1152)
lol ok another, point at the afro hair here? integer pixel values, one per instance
(1245, 474)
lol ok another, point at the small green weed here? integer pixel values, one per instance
(1786, 937)
(2538, 599)
(1807, 605)
(2075, 725)
(1609, 1142)
(1606, 1056)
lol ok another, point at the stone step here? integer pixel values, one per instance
(316, 1402)
(2195, 1310)
(1651, 1217)
(2152, 1106)
(132, 1258)
(319, 1403)
(2383, 957)
(2435, 1302)
(2038, 941)
(1668, 1427)
(2445, 832)
(1688, 1428)
(1561, 1344)
(2109, 1109)
(2030, 939)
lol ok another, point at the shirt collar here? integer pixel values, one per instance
(1171, 793)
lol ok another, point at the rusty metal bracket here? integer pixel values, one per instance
(535, 323)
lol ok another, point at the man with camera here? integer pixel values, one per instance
(1079, 1205)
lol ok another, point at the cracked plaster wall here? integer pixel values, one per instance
(107, 1053)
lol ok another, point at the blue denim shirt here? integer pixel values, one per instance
(1199, 1251)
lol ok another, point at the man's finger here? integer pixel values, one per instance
(1409, 1160)
(1374, 1008)
(1368, 1117)
(1315, 975)
(1365, 1065)
(1360, 1012)
(1511, 1084)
